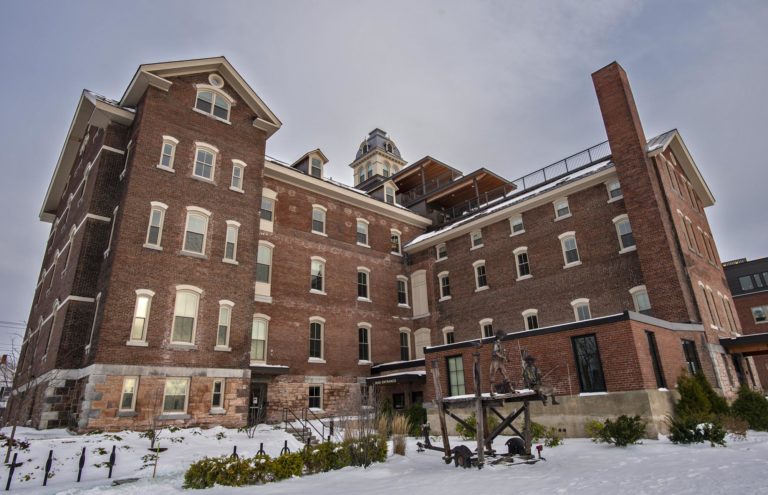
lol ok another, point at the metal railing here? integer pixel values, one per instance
(417, 192)
(308, 420)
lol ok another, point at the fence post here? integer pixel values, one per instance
(12, 468)
(285, 449)
(111, 462)
(234, 453)
(82, 463)
(261, 449)
(48, 465)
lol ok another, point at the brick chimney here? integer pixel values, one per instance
(661, 262)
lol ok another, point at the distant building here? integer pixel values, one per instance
(748, 281)
(191, 279)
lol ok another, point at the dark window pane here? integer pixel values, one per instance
(318, 226)
(362, 337)
(522, 263)
(262, 273)
(405, 353)
(182, 329)
(315, 340)
(572, 256)
(588, 364)
(204, 101)
(691, 356)
(450, 338)
(533, 322)
(127, 401)
(401, 294)
(627, 240)
(229, 251)
(654, 350)
(194, 242)
(154, 235)
(362, 284)
(455, 376)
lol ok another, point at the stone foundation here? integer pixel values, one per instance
(340, 395)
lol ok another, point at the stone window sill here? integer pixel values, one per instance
(316, 360)
(445, 298)
(403, 306)
(223, 121)
(230, 262)
(154, 247)
(167, 169)
(182, 347)
(127, 414)
(480, 289)
(318, 292)
(137, 343)
(320, 233)
(174, 416)
(192, 254)
(264, 299)
(513, 234)
(571, 265)
(235, 189)
(617, 198)
(569, 215)
(222, 348)
(628, 249)
(215, 411)
(203, 179)
(476, 247)
(364, 362)
(442, 259)
(364, 245)
(589, 394)
(364, 299)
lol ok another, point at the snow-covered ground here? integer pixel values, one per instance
(579, 466)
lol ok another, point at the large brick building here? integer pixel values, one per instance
(189, 278)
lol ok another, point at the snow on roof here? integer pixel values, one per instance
(514, 198)
(404, 373)
(660, 141)
(104, 99)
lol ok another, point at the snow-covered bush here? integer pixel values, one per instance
(752, 407)
(625, 430)
(689, 430)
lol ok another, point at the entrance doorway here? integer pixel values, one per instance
(257, 406)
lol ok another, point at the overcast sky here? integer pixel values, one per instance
(504, 85)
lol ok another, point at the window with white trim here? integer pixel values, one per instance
(641, 300)
(230, 244)
(128, 394)
(486, 328)
(369, 167)
(394, 246)
(531, 319)
(421, 339)
(481, 278)
(267, 211)
(389, 195)
(316, 168)
(205, 161)
(141, 315)
(441, 251)
(385, 169)
(449, 337)
(405, 347)
(476, 239)
(570, 249)
(259, 334)
(562, 208)
(185, 314)
(318, 219)
(614, 191)
(316, 338)
(155, 227)
(362, 232)
(760, 314)
(581, 309)
(364, 342)
(317, 275)
(516, 225)
(445, 285)
(522, 263)
(168, 153)
(196, 230)
(363, 284)
(175, 395)
(264, 271)
(315, 397)
(402, 291)
(225, 322)
(624, 231)
(360, 175)
(217, 394)
(213, 103)
(238, 175)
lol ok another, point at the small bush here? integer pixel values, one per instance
(689, 430)
(698, 398)
(467, 434)
(752, 407)
(287, 466)
(594, 429)
(625, 430)
(399, 430)
(548, 434)
(417, 417)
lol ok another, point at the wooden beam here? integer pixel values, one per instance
(441, 412)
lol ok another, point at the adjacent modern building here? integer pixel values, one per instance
(191, 279)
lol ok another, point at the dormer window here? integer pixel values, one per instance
(361, 175)
(389, 195)
(213, 103)
(385, 170)
(369, 167)
(388, 147)
(316, 168)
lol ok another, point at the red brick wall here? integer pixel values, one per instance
(744, 305)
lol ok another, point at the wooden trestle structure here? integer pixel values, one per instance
(482, 404)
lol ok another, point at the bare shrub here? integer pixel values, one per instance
(399, 433)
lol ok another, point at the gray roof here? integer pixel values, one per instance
(377, 139)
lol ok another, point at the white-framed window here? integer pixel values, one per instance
(441, 250)
(394, 244)
(581, 309)
(624, 232)
(316, 168)
(444, 281)
(405, 344)
(360, 174)
(238, 175)
(516, 225)
(640, 299)
(217, 394)
(760, 314)
(481, 278)
(213, 102)
(562, 208)
(614, 190)
(363, 342)
(128, 394)
(205, 161)
(230, 243)
(141, 316)
(264, 271)
(175, 395)
(362, 232)
(389, 195)
(111, 232)
(185, 314)
(363, 284)
(421, 338)
(570, 249)
(267, 211)
(315, 397)
(402, 291)
(155, 228)
(369, 167)
(168, 153)
(449, 337)
(316, 339)
(531, 319)
(522, 263)
(196, 230)
(385, 169)
(259, 338)
(476, 239)
(225, 323)
(317, 275)
(318, 219)
(486, 328)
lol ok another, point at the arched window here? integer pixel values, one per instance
(405, 345)
(448, 336)
(522, 263)
(259, 334)
(230, 243)
(394, 241)
(581, 309)
(155, 227)
(421, 339)
(214, 102)
(481, 279)
(640, 299)
(238, 174)
(317, 275)
(267, 212)
(225, 322)
(624, 231)
(362, 232)
(486, 328)
(445, 285)
(363, 284)
(531, 319)
(316, 339)
(402, 291)
(570, 249)
(168, 153)
(318, 219)
(264, 271)
(205, 161)
(364, 342)
(196, 230)
(141, 317)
